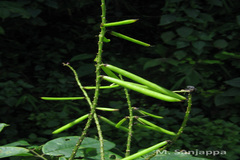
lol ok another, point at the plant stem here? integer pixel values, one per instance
(38, 155)
(180, 129)
(130, 124)
(90, 117)
(96, 94)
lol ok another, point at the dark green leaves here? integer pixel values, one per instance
(167, 19)
(63, 146)
(234, 82)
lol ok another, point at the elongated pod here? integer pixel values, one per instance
(121, 122)
(107, 109)
(145, 151)
(142, 90)
(155, 126)
(149, 114)
(69, 125)
(119, 35)
(101, 87)
(119, 23)
(113, 124)
(61, 98)
(109, 72)
(143, 81)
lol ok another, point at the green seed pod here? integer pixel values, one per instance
(106, 40)
(145, 82)
(120, 122)
(112, 123)
(142, 90)
(119, 23)
(149, 114)
(155, 126)
(61, 98)
(119, 35)
(101, 87)
(109, 72)
(148, 127)
(69, 125)
(145, 151)
(107, 109)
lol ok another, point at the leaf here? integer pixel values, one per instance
(82, 57)
(2, 31)
(192, 13)
(215, 2)
(13, 151)
(108, 156)
(220, 43)
(85, 69)
(167, 19)
(180, 54)
(152, 63)
(184, 31)
(199, 45)
(18, 143)
(51, 3)
(63, 146)
(222, 100)
(168, 36)
(234, 82)
(182, 44)
(211, 61)
(4, 13)
(238, 20)
(2, 125)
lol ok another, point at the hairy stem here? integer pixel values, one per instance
(180, 129)
(130, 124)
(96, 94)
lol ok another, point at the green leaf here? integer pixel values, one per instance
(152, 63)
(234, 82)
(108, 156)
(238, 20)
(2, 125)
(184, 31)
(18, 143)
(192, 13)
(215, 2)
(13, 151)
(2, 30)
(211, 61)
(51, 3)
(63, 146)
(167, 19)
(182, 44)
(199, 45)
(180, 54)
(4, 13)
(220, 43)
(168, 36)
(82, 57)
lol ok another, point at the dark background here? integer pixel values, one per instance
(194, 43)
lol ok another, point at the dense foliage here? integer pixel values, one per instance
(194, 43)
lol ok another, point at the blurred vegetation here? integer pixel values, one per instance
(194, 43)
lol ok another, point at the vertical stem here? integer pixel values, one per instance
(96, 94)
(90, 117)
(185, 118)
(180, 129)
(130, 124)
(98, 70)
